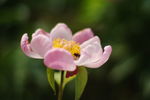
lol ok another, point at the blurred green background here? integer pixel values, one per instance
(124, 24)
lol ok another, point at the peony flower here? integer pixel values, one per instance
(62, 51)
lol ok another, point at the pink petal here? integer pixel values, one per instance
(83, 35)
(40, 31)
(61, 31)
(90, 41)
(59, 59)
(41, 44)
(90, 51)
(103, 58)
(25, 46)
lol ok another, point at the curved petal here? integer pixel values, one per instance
(41, 44)
(25, 46)
(103, 58)
(59, 59)
(61, 31)
(90, 42)
(83, 35)
(40, 31)
(89, 54)
(91, 47)
(90, 51)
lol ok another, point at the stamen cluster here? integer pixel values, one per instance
(70, 46)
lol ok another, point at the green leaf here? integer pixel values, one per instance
(67, 80)
(51, 80)
(80, 82)
(57, 76)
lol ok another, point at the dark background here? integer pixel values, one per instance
(124, 24)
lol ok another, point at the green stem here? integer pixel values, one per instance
(60, 91)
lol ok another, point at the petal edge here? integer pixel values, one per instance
(83, 35)
(40, 32)
(41, 44)
(61, 30)
(104, 58)
(59, 59)
(25, 46)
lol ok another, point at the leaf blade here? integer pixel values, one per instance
(67, 80)
(80, 82)
(51, 80)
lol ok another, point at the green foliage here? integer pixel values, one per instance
(67, 80)
(80, 82)
(51, 80)
(93, 10)
(57, 76)
(124, 69)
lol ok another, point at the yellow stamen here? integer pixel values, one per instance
(70, 46)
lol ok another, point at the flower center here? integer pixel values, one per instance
(70, 46)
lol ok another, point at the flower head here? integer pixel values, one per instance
(62, 51)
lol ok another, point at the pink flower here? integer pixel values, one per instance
(62, 51)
